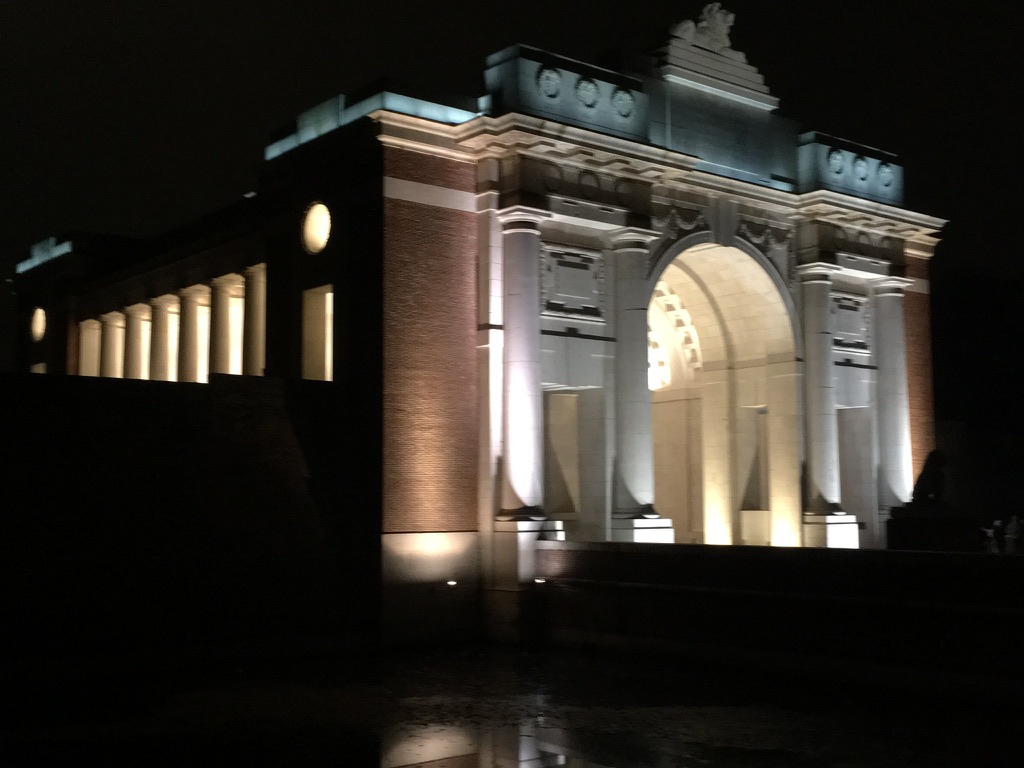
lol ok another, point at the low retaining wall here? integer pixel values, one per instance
(909, 609)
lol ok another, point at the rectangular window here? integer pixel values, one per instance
(318, 333)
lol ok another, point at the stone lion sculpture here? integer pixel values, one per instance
(712, 32)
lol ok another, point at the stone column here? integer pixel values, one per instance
(254, 327)
(188, 333)
(112, 345)
(822, 423)
(89, 344)
(159, 346)
(523, 462)
(135, 362)
(634, 516)
(634, 451)
(221, 291)
(896, 470)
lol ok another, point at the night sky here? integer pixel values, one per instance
(132, 117)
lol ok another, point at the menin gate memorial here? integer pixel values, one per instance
(636, 306)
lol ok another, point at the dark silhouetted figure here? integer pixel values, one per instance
(929, 490)
(1011, 545)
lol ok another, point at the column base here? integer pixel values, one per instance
(830, 531)
(521, 514)
(642, 530)
(644, 512)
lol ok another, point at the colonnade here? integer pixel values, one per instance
(215, 327)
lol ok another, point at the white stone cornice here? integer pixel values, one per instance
(570, 146)
(818, 270)
(920, 247)
(521, 214)
(782, 204)
(632, 238)
(426, 148)
(891, 285)
(847, 211)
(417, 134)
(514, 131)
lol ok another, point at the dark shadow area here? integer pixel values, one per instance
(153, 531)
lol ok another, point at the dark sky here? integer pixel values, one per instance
(132, 116)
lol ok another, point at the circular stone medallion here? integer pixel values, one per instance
(835, 162)
(586, 92)
(624, 102)
(886, 175)
(860, 168)
(552, 177)
(549, 82)
(589, 185)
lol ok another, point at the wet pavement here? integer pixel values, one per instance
(486, 706)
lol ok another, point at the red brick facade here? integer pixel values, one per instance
(917, 321)
(428, 169)
(430, 386)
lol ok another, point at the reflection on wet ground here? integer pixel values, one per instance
(478, 707)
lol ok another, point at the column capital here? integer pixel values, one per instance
(818, 271)
(138, 310)
(231, 280)
(522, 217)
(255, 272)
(632, 238)
(112, 317)
(164, 302)
(195, 293)
(891, 286)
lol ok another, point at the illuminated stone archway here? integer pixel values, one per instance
(725, 395)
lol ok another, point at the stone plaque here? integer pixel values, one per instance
(572, 283)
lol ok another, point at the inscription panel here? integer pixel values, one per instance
(572, 283)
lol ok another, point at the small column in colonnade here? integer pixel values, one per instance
(136, 341)
(112, 345)
(254, 326)
(222, 291)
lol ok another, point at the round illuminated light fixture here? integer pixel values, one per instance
(38, 326)
(316, 228)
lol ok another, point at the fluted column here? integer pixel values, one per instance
(254, 327)
(135, 362)
(188, 333)
(112, 345)
(221, 291)
(895, 463)
(634, 451)
(822, 422)
(160, 361)
(523, 484)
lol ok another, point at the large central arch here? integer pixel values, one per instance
(724, 344)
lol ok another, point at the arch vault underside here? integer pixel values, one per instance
(725, 415)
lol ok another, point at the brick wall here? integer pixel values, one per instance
(917, 321)
(430, 387)
(427, 169)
